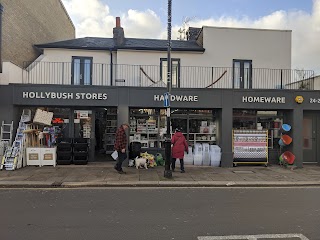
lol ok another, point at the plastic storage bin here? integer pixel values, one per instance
(197, 159)
(205, 154)
(215, 159)
(188, 158)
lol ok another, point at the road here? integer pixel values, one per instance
(162, 213)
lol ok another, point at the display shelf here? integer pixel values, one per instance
(110, 132)
(250, 146)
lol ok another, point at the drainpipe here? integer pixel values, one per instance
(1, 11)
(111, 67)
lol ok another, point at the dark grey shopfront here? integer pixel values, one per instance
(303, 117)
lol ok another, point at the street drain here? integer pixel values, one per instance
(242, 171)
(56, 184)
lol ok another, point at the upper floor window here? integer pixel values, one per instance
(175, 71)
(82, 70)
(242, 73)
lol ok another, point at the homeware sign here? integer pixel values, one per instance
(250, 99)
(64, 95)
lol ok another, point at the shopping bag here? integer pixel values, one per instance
(114, 155)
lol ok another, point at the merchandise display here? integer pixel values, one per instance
(250, 146)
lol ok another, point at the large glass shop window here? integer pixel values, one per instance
(149, 126)
(60, 125)
(260, 120)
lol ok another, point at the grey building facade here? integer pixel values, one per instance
(225, 102)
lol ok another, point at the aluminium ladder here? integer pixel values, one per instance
(6, 132)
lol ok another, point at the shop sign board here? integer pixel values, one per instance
(58, 95)
(82, 114)
(176, 98)
(64, 95)
(263, 99)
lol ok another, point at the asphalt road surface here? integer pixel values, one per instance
(166, 213)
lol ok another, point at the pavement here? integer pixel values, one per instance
(100, 174)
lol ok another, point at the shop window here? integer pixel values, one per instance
(60, 121)
(175, 71)
(149, 126)
(82, 70)
(260, 120)
(242, 74)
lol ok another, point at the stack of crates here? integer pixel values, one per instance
(80, 151)
(64, 151)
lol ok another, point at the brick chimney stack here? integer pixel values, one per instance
(118, 33)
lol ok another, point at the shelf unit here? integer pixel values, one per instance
(250, 147)
(144, 131)
(110, 132)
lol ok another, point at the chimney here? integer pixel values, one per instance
(118, 33)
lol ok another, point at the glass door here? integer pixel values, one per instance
(309, 139)
(242, 74)
(82, 123)
(81, 71)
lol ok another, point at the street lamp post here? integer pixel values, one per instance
(167, 171)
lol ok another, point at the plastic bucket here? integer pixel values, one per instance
(286, 127)
(281, 158)
(281, 143)
(289, 157)
(286, 139)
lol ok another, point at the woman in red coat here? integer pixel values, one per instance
(179, 145)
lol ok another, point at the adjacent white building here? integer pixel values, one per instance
(214, 57)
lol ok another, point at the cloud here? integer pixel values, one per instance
(94, 19)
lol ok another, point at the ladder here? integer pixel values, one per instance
(13, 157)
(6, 132)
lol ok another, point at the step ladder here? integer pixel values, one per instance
(6, 132)
(14, 155)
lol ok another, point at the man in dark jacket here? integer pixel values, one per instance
(120, 146)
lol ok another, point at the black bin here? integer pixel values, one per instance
(134, 150)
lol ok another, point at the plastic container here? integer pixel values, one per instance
(188, 159)
(215, 159)
(289, 157)
(198, 148)
(285, 140)
(205, 147)
(197, 159)
(215, 148)
(286, 127)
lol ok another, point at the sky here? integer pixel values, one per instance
(148, 19)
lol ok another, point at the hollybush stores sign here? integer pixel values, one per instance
(64, 95)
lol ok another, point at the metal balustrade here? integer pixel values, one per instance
(65, 73)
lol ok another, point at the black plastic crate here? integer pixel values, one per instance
(80, 140)
(80, 162)
(64, 147)
(80, 155)
(64, 140)
(80, 147)
(64, 162)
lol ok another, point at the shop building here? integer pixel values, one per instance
(101, 83)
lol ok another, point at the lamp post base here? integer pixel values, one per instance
(167, 174)
(167, 171)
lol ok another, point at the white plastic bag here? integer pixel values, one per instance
(114, 155)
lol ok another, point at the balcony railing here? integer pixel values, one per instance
(154, 76)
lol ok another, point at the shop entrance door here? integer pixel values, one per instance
(310, 138)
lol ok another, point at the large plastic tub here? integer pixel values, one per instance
(215, 159)
(197, 159)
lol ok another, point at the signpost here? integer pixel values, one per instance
(167, 171)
